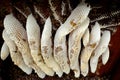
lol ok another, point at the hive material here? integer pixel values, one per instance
(33, 34)
(15, 54)
(46, 48)
(17, 33)
(78, 15)
(4, 51)
(75, 46)
(101, 48)
(88, 50)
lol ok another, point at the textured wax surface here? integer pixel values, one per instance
(8, 71)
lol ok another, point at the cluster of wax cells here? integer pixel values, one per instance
(32, 49)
